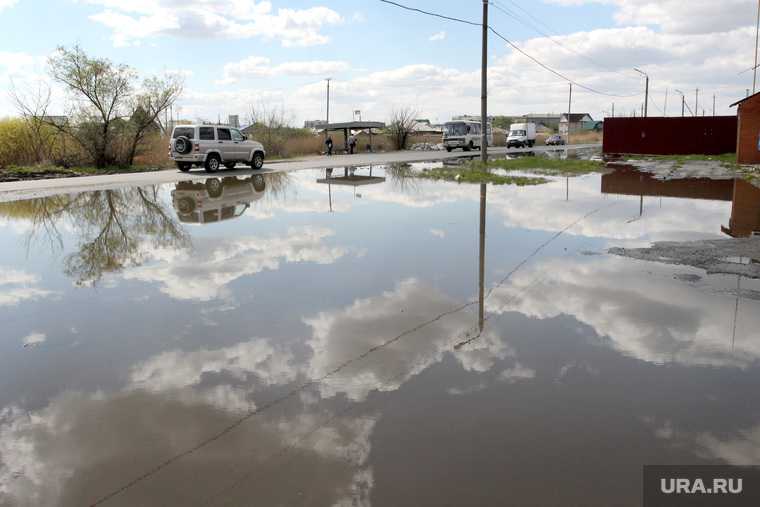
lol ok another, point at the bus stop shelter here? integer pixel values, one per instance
(355, 125)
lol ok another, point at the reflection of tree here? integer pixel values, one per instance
(115, 228)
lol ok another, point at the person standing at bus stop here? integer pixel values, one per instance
(329, 145)
(351, 144)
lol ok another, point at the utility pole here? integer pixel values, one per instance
(757, 38)
(645, 113)
(328, 106)
(696, 102)
(613, 109)
(713, 104)
(569, 109)
(484, 89)
(683, 102)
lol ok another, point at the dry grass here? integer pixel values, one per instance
(587, 137)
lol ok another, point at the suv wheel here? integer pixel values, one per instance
(212, 163)
(258, 160)
(184, 166)
(230, 165)
(183, 145)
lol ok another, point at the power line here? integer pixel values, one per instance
(414, 9)
(550, 37)
(555, 72)
(512, 44)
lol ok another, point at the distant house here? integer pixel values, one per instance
(577, 122)
(550, 121)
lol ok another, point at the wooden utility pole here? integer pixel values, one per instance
(484, 89)
(328, 107)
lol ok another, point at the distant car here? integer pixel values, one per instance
(216, 200)
(212, 146)
(555, 140)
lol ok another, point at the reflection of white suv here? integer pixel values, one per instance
(216, 200)
(212, 146)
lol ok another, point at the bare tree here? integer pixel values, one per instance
(270, 125)
(157, 95)
(33, 107)
(401, 126)
(101, 91)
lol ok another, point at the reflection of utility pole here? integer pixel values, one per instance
(736, 309)
(482, 264)
(567, 188)
(641, 206)
(713, 104)
(484, 89)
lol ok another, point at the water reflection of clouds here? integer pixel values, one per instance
(202, 274)
(340, 335)
(644, 311)
(544, 207)
(20, 286)
(47, 457)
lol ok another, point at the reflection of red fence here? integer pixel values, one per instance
(707, 135)
(628, 181)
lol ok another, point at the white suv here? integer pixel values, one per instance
(212, 146)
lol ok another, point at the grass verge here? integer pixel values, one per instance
(539, 165)
(474, 175)
(18, 173)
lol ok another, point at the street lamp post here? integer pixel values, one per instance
(646, 92)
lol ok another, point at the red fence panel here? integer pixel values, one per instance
(706, 135)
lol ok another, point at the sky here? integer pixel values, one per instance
(236, 55)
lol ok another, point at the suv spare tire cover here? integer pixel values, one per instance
(182, 145)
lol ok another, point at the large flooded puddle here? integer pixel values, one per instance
(366, 338)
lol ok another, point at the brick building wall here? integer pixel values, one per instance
(747, 148)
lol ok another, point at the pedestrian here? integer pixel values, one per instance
(329, 145)
(351, 144)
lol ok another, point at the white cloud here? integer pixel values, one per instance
(7, 4)
(258, 66)
(204, 273)
(34, 339)
(178, 369)
(341, 336)
(517, 373)
(697, 16)
(639, 309)
(135, 21)
(438, 36)
(19, 286)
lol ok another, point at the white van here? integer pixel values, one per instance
(464, 134)
(521, 135)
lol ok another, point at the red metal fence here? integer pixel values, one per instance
(706, 135)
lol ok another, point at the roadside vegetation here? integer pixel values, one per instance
(540, 165)
(478, 175)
